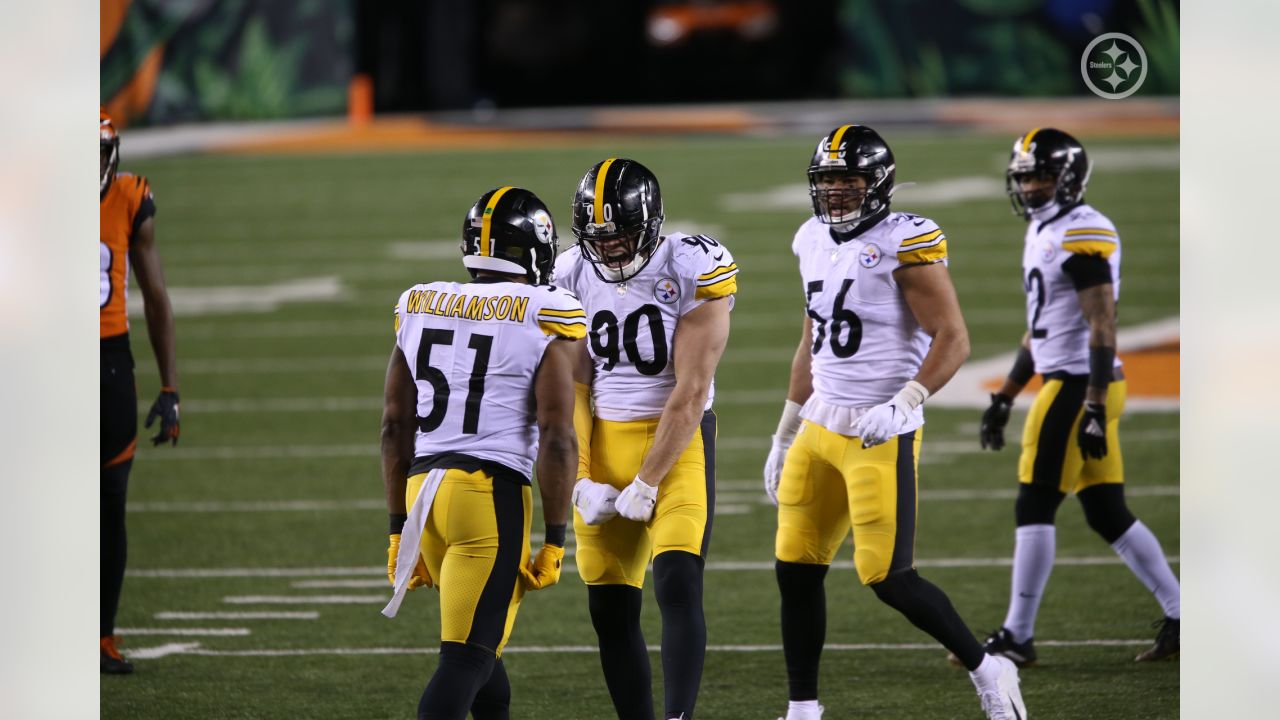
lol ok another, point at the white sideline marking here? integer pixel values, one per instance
(423, 250)
(233, 300)
(795, 196)
(195, 649)
(280, 405)
(345, 584)
(304, 599)
(302, 615)
(185, 632)
(380, 572)
(160, 651)
(233, 506)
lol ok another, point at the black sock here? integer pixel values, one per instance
(929, 609)
(804, 624)
(615, 614)
(113, 543)
(493, 701)
(462, 670)
(677, 584)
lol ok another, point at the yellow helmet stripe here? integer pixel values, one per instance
(598, 209)
(486, 241)
(835, 141)
(1026, 139)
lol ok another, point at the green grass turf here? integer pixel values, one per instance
(248, 221)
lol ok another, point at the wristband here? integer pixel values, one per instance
(554, 535)
(911, 396)
(1024, 367)
(397, 522)
(789, 425)
(1101, 361)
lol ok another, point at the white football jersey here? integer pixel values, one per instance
(1059, 332)
(633, 323)
(866, 342)
(474, 349)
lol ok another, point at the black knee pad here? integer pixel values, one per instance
(1106, 511)
(114, 479)
(614, 607)
(493, 701)
(898, 588)
(1036, 505)
(677, 579)
(799, 577)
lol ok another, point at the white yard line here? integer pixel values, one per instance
(305, 599)
(243, 506)
(196, 649)
(185, 632)
(380, 572)
(300, 615)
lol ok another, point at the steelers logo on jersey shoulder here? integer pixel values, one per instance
(666, 291)
(870, 256)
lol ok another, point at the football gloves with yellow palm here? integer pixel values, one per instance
(420, 577)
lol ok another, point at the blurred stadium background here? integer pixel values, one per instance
(312, 159)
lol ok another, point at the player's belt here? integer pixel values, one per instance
(1117, 374)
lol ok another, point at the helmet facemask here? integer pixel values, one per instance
(108, 161)
(849, 203)
(618, 255)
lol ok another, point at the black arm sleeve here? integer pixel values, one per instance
(1087, 271)
(1101, 359)
(1024, 367)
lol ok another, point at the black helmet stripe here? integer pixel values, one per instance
(486, 220)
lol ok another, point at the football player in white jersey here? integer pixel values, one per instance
(1071, 440)
(479, 390)
(882, 331)
(658, 308)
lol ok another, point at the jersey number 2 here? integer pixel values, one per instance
(482, 344)
(1035, 277)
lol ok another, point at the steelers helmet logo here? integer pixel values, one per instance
(870, 256)
(542, 226)
(666, 291)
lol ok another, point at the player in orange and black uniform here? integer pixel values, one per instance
(127, 239)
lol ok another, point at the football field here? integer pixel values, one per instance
(258, 545)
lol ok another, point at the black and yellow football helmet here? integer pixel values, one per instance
(617, 218)
(509, 230)
(851, 150)
(1054, 156)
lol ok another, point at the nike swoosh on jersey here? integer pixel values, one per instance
(718, 257)
(918, 223)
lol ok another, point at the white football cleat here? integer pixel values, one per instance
(806, 712)
(1001, 699)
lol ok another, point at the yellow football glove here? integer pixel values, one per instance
(544, 570)
(420, 577)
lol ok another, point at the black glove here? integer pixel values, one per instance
(991, 434)
(166, 409)
(1093, 431)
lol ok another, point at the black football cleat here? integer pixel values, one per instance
(113, 663)
(1001, 643)
(1168, 641)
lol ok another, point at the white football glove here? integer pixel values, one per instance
(886, 420)
(636, 501)
(594, 501)
(788, 426)
(773, 467)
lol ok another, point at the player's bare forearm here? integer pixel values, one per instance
(932, 298)
(398, 412)
(145, 260)
(1098, 305)
(800, 386)
(557, 460)
(699, 342)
